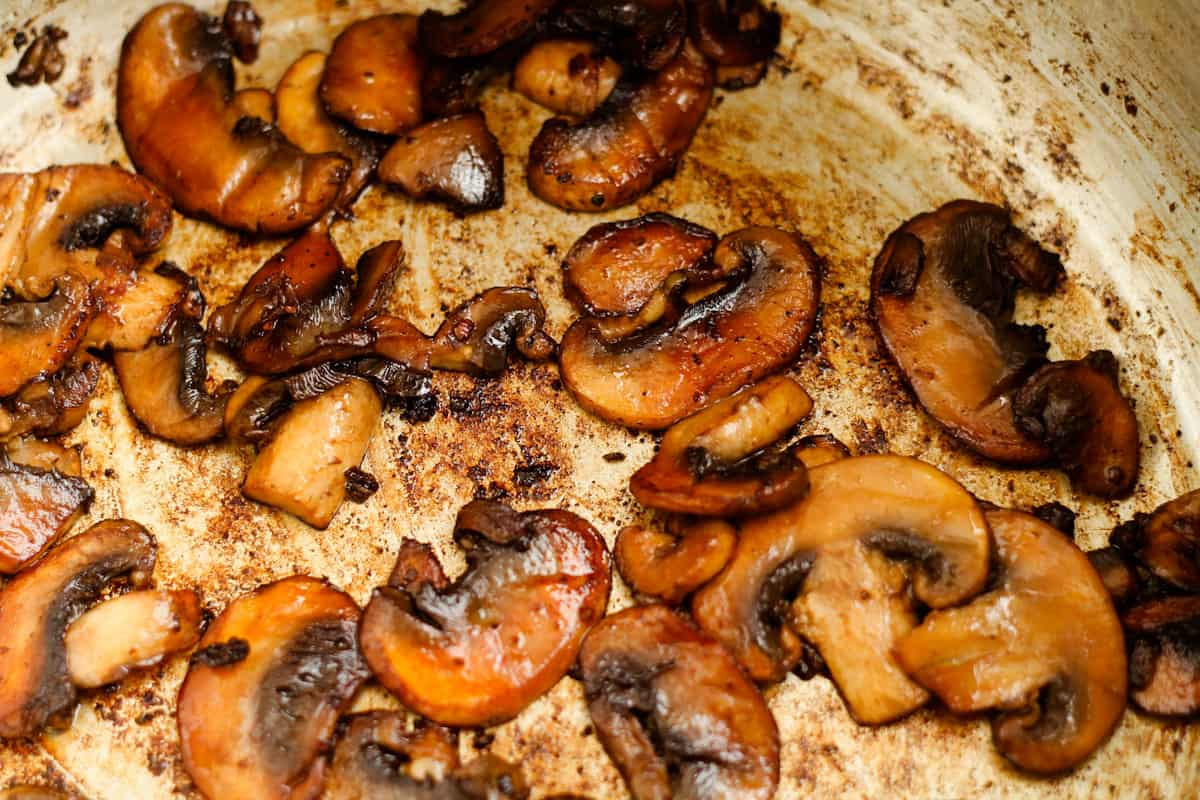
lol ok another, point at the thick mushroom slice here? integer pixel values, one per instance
(675, 711)
(822, 569)
(479, 650)
(130, 632)
(478, 336)
(456, 159)
(1077, 410)
(38, 503)
(133, 307)
(373, 76)
(482, 28)
(715, 463)
(646, 34)
(264, 691)
(37, 606)
(667, 567)
(1167, 541)
(39, 337)
(53, 405)
(942, 299)
(1043, 646)
(567, 76)
(626, 146)
(752, 327)
(1164, 660)
(174, 109)
(734, 33)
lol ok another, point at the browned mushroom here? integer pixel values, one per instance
(38, 337)
(174, 87)
(39, 501)
(256, 103)
(645, 34)
(478, 336)
(456, 159)
(734, 33)
(942, 299)
(1167, 541)
(483, 27)
(1164, 659)
(130, 632)
(567, 76)
(453, 85)
(667, 567)
(479, 650)
(626, 146)
(37, 606)
(819, 450)
(243, 26)
(1077, 410)
(754, 326)
(265, 689)
(674, 710)
(373, 76)
(1043, 646)
(43, 61)
(716, 463)
(54, 405)
(48, 455)
(822, 569)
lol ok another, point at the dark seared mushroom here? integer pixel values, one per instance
(264, 691)
(646, 34)
(1119, 577)
(675, 711)
(734, 33)
(737, 78)
(174, 87)
(626, 146)
(37, 606)
(43, 61)
(53, 405)
(483, 27)
(39, 337)
(479, 650)
(1077, 410)
(478, 336)
(834, 569)
(942, 299)
(38, 503)
(1167, 541)
(1043, 646)
(669, 567)
(372, 78)
(453, 85)
(1164, 659)
(456, 159)
(754, 326)
(243, 26)
(130, 632)
(567, 76)
(715, 463)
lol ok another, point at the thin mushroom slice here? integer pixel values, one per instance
(645, 34)
(567, 76)
(754, 326)
(629, 144)
(174, 109)
(456, 160)
(1167, 541)
(716, 463)
(39, 337)
(264, 691)
(372, 78)
(479, 650)
(669, 567)
(1077, 410)
(483, 27)
(478, 336)
(133, 306)
(734, 33)
(38, 503)
(1043, 646)
(674, 710)
(52, 405)
(824, 569)
(243, 26)
(1164, 660)
(37, 606)
(942, 295)
(130, 632)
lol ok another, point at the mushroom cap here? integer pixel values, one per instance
(372, 78)
(455, 159)
(37, 505)
(1164, 663)
(1043, 646)
(1167, 541)
(481, 28)
(567, 76)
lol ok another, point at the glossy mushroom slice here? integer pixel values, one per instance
(567, 76)
(38, 503)
(942, 299)
(646, 34)
(1043, 646)
(265, 689)
(1077, 410)
(669, 567)
(1167, 541)
(479, 650)
(823, 570)
(675, 711)
(483, 27)
(716, 463)
(456, 160)
(734, 33)
(1164, 659)
(37, 606)
(626, 146)
(754, 326)
(133, 306)
(174, 109)
(372, 79)
(478, 336)
(53, 405)
(39, 337)
(130, 632)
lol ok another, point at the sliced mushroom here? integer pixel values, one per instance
(821, 570)
(667, 567)
(479, 650)
(752, 327)
(478, 336)
(130, 632)
(38, 503)
(256, 103)
(456, 159)
(372, 79)
(263, 693)
(567, 76)
(645, 34)
(1164, 660)
(675, 711)
(819, 450)
(942, 299)
(715, 463)
(302, 470)
(1119, 578)
(483, 27)
(1077, 410)
(626, 146)
(1167, 542)
(1043, 646)
(174, 88)
(53, 405)
(734, 33)
(38, 337)
(37, 606)
(243, 26)
(304, 121)
(133, 307)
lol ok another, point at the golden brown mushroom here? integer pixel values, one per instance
(39, 500)
(1164, 660)
(567, 76)
(265, 689)
(646, 34)
(455, 159)
(39, 337)
(372, 78)
(669, 567)
(53, 405)
(823, 569)
(257, 103)
(819, 450)
(1167, 541)
(483, 27)
(479, 650)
